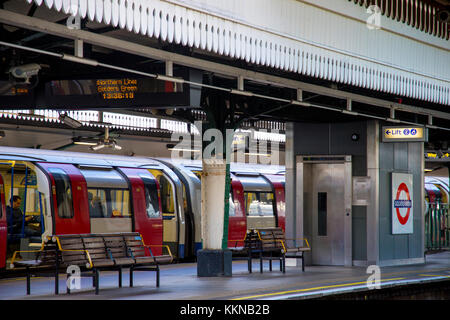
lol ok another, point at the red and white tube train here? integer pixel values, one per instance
(71, 192)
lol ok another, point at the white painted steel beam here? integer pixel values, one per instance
(40, 25)
(306, 37)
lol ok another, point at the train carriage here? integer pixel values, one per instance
(71, 192)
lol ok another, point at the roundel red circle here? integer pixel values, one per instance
(402, 187)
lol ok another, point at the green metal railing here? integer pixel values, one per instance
(437, 226)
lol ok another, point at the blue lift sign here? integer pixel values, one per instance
(404, 134)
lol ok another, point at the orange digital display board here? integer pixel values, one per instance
(117, 88)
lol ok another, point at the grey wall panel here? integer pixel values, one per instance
(359, 233)
(385, 231)
(401, 156)
(387, 156)
(311, 138)
(341, 138)
(359, 166)
(401, 242)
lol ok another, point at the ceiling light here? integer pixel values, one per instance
(97, 146)
(85, 141)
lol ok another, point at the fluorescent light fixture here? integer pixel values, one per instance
(85, 143)
(115, 146)
(70, 121)
(185, 150)
(257, 154)
(98, 146)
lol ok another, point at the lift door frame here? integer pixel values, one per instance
(302, 221)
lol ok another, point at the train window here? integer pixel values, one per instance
(232, 207)
(25, 186)
(167, 193)
(109, 203)
(151, 197)
(64, 199)
(259, 203)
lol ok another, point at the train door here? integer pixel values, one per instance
(69, 198)
(237, 225)
(146, 202)
(172, 214)
(260, 206)
(277, 182)
(327, 205)
(3, 226)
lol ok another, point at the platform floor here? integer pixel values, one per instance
(180, 282)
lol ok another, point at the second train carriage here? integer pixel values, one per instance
(71, 192)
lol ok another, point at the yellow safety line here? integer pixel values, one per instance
(311, 289)
(434, 275)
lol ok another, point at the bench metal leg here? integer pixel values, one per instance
(283, 263)
(97, 281)
(56, 282)
(28, 282)
(120, 277)
(157, 276)
(270, 262)
(131, 276)
(303, 263)
(68, 284)
(260, 263)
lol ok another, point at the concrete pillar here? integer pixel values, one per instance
(212, 261)
(213, 190)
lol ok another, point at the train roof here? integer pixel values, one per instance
(81, 158)
(109, 160)
(236, 168)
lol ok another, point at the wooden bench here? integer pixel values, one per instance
(247, 248)
(275, 246)
(272, 247)
(93, 253)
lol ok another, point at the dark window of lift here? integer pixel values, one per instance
(322, 214)
(63, 193)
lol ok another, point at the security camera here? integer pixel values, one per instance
(25, 71)
(443, 16)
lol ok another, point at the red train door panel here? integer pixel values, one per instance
(237, 223)
(277, 183)
(3, 226)
(147, 215)
(69, 198)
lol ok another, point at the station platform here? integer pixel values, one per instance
(180, 282)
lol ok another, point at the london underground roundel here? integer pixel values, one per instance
(402, 203)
